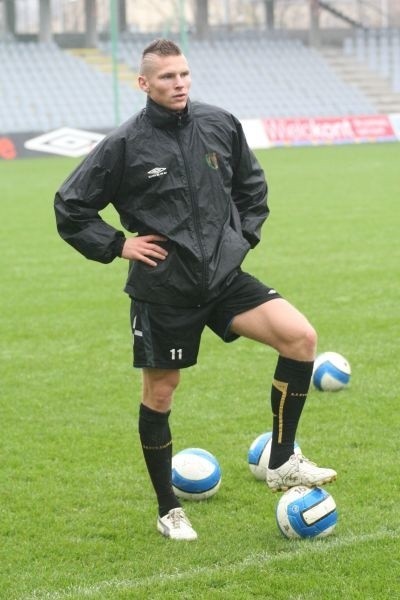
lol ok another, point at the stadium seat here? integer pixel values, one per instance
(379, 50)
(252, 76)
(51, 89)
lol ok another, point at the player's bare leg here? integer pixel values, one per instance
(155, 435)
(158, 388)
(280, 325)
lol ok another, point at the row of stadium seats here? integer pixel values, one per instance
(379, 50)
(261, 78)
(43, 87)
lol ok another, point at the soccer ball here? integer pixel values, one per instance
(304, 512)
(259, 453)
(331, 372)
(196, 474)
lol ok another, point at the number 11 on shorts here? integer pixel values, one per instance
(176, 353)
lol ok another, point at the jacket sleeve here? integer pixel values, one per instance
(249, 188)
(89, 189)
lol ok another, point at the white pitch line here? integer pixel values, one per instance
(256, 559)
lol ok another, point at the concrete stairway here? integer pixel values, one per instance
(102, 62)
(375, 87)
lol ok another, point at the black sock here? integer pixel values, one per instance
(155, 437)
(288, 395)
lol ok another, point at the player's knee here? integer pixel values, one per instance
(158, 392)
(312, 340)
(302, 344)
(308, 343)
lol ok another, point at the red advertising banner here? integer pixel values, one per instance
(8, 150)
(329, 130)
(260, 133)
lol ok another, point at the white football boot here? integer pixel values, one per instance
(298, 470)
(176, 525)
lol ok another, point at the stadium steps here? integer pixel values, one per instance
(103, 63)
(375, 87)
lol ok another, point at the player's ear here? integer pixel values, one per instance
(143, 84)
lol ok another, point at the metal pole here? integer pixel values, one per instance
(114, 56)
(182, 26)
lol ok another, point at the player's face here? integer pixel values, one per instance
(167, 81)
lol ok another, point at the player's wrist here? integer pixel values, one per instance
(119, 245)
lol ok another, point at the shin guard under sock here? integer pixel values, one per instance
(155, 437)
(288, 395)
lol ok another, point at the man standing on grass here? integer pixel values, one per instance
(182, 177)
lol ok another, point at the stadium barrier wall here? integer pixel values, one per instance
(260, 133)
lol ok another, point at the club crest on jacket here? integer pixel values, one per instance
(212, 160)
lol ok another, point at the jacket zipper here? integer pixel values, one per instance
(196, 215)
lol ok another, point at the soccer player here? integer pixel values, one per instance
(184, 181)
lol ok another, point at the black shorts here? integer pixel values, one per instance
(168, 337)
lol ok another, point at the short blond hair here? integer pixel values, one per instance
(159, 47)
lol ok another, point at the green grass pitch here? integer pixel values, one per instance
(77, 511)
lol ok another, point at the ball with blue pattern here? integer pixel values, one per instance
(259, 453)
(331, 372)
(196, 474)
(304, 512)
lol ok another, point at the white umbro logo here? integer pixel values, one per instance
(156, 172)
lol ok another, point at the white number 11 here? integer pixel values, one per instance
(176, 354)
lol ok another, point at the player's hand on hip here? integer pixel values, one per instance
(145, 249)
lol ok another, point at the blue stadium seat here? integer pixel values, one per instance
(42, 87)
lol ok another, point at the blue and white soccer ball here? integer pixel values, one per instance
(259, 453)
(196, 474)
(331, 372)
(304, 512)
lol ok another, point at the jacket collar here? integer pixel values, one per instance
(163, 118)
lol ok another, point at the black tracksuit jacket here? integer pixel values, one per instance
(190, 177)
